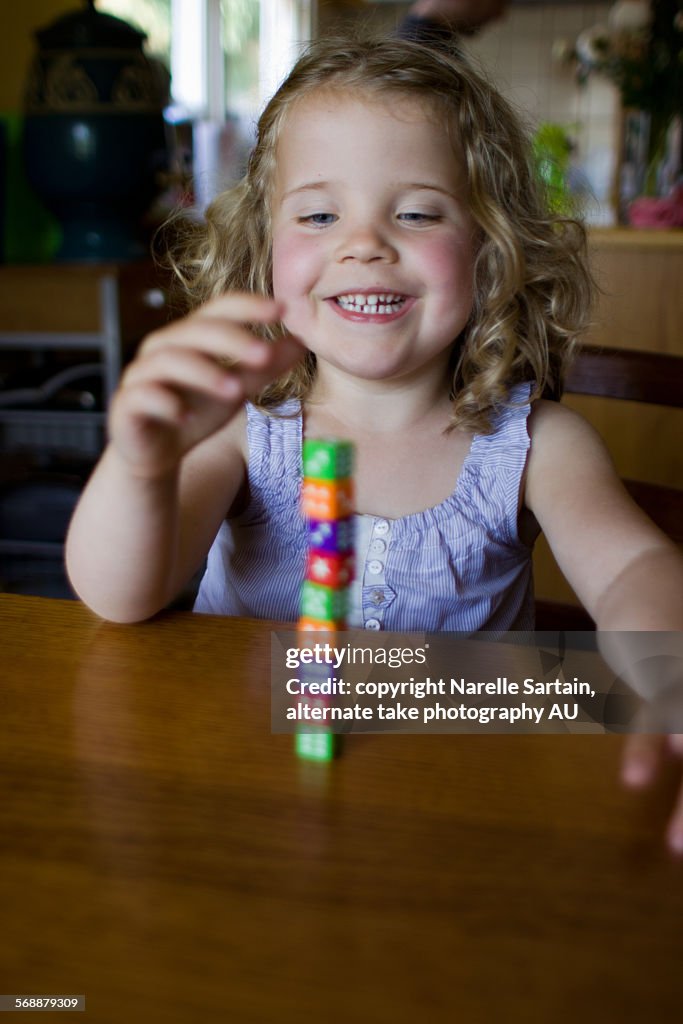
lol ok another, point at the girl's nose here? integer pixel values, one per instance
(366, 243)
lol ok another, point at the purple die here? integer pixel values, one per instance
(333, 535)
(317, 672)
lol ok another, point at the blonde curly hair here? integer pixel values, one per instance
(533, 289)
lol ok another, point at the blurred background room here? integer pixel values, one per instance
(113, 114)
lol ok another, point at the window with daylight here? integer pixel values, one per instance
(225, 56)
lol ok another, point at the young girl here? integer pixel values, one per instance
(386, 272)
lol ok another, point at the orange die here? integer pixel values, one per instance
(327, 499)
(307, 624)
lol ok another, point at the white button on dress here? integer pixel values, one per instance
(371, 594)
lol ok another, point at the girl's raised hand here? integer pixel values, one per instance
(643, 759)
(190, 378)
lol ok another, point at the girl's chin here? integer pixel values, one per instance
(366, 369)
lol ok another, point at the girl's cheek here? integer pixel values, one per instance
(450, 261)
(291, 266)
(279, 257)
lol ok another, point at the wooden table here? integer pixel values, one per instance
(166, 856)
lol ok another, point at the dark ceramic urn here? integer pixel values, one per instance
(94, 134)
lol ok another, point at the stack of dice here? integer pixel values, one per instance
(327, 505)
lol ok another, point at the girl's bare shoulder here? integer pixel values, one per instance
(561, 438)
(569, 463)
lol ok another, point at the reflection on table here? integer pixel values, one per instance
(166, 856)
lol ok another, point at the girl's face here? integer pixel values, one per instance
(373, 242)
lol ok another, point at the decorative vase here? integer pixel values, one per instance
(94, 134)
(650, 162)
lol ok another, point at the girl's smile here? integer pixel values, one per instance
(371, 307)
(373, 240)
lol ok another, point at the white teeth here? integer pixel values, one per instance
(373, 304)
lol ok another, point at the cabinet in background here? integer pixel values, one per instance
(59, 325)
(86, 314)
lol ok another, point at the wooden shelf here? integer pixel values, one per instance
(636, 238)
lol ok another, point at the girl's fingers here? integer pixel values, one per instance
(675, 829)
(182, 368)
(148, 401)
(190, 378)
(674, 832)
(643, 755)
(243, 307)
(196, 371)
(219, 323)
(221, 339)
(283, 355)
(152, 425)
(676, 744)
(144, 426)
(641, 759)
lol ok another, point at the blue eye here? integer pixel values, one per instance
(320, 220)
(414, 217)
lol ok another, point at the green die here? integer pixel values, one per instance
(321, 602)
(328, 460)
(320, 745)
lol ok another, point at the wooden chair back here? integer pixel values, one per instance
(635, 376)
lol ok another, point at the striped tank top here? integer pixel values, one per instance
(458, 566)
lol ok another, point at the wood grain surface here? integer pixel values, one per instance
(166, 856)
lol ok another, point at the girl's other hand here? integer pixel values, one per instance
(643, 758)
(190, 378)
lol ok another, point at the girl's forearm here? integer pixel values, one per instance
(640, 623)
(122, 543)
(647, 595)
